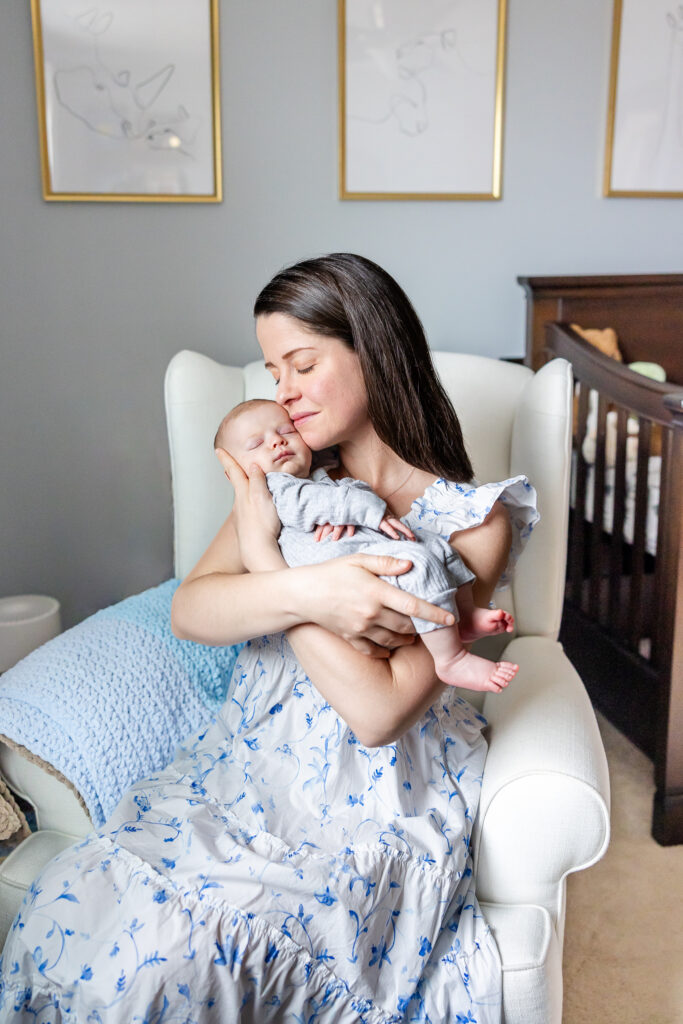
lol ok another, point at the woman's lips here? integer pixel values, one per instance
(301, 417)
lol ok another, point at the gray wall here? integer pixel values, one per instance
(95, 298)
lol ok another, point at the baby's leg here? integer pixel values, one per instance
(456, 666)
(477, 622)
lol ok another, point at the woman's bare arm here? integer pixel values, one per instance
(220, 603)
(485, 549)
(379, 699)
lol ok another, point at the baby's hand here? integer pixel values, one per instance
(336, 532)
(394, 527)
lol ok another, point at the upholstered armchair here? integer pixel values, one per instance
(544, 809)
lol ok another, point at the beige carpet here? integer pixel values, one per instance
(623, 951)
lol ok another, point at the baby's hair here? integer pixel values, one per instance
(230, 417)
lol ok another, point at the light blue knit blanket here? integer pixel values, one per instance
(107, 702)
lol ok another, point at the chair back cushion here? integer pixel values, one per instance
(514, 421)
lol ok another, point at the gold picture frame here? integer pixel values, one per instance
(128, 101)
(401, 67)
(644, 148)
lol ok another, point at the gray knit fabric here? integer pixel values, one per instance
(302, 505)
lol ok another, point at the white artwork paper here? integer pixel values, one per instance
(647, 144)
(420, 96)
(128, 96)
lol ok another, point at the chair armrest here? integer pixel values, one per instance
(544, 808)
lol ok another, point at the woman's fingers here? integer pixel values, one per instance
(400, 600)
(368, 647)
(232, 469)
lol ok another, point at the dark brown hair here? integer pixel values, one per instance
(351, 298)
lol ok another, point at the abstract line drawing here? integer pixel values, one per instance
(413, 60)
(645, 122)
(111, 103)
(421, 98)
(127, 99)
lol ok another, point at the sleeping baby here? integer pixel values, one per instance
(260, 432)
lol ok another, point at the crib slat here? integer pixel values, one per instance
(662, 569)
(576, 544)
(635, 609)
(597, 526)
(616, 559)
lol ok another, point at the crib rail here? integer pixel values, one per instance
(628, 430)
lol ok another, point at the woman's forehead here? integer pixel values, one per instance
(283, 337)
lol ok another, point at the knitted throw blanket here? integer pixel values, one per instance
(107, 702)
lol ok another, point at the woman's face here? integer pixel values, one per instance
(319, 380)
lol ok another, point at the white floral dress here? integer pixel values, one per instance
(277, 870)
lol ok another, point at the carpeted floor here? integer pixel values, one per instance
(623, 950)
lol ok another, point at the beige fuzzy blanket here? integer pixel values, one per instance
(13, 824)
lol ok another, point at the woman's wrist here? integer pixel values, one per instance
(268, 558)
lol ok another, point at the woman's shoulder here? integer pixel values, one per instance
(449, 505)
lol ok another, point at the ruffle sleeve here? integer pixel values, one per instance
(447, 507)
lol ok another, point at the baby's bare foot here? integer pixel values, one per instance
(475, 673)
(484, 622)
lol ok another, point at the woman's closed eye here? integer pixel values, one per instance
(301, 370)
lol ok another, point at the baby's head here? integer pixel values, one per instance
(260, 431)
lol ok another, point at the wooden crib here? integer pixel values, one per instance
(623, 617)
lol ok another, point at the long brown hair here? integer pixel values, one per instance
(353, 299)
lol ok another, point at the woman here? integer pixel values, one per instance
(307, 858)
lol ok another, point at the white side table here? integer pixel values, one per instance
(26, 622)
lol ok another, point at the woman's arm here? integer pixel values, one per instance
(485, 550)
(241, 586)
(379, 700)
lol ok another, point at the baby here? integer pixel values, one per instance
(260, 432)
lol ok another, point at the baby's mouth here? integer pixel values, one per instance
(283, 455)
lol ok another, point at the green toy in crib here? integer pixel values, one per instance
(652, 370)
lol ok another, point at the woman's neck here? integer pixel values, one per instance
(390, 477)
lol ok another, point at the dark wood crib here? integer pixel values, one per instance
(623, 616)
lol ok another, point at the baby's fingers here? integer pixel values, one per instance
(386, 527)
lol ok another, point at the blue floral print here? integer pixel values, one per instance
(276, 871)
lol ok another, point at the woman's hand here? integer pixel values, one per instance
(346, 597)
(256, 519)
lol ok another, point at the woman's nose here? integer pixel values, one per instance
(286, 389)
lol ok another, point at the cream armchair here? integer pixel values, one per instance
(544, 808)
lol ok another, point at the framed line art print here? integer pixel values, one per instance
(421, 91)
(644, 150)
(128, 99)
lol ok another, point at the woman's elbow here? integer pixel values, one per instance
(378, 734)
(178, 615)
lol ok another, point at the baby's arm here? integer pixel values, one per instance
(305, 504)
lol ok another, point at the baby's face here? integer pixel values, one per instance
(266, 436)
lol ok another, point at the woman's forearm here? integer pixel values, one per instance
(378, 698)
(221, 608)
